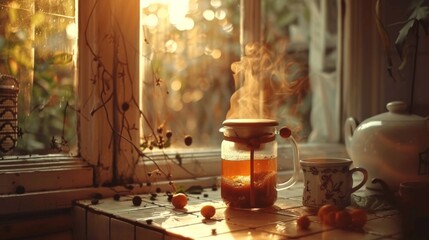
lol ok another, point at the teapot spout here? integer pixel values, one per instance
(349, 128)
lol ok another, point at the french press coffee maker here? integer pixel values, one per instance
(249, 162)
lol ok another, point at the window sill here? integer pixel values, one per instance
(205, 162)
(72, 180)
(43, 173)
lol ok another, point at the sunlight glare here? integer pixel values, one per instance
(177, 10)
(71, 31)
(175, 104)
(208, 50)
(162, 13)
(197, 95)
(228, 28)
(216, 3)
(171, 46)
(176, 85)
(147, 3)
(216, 54)
(151, 21)
(185, 24)
(177, 13)
(208, 15)
(220, 14)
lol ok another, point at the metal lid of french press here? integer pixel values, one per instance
(250, 122)
(250, 131)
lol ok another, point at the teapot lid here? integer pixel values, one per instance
(397, 111)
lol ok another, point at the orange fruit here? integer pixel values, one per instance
(324, 210)
(303, 222)
(359, 217)
(208, 211)
(179, 200)
(329, 218)
(343, 219)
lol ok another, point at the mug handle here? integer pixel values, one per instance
(365, 177)
(295, 176)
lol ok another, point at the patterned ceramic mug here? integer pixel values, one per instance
(329, 180)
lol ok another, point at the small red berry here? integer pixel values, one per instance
(303, 222)
(188, 140)
(94, 201)
(285, 132)
(137, 200)
(116, 197)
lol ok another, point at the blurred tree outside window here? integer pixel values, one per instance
(188, 49)
(38, 46)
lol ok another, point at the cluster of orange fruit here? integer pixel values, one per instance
(351, 218)
(354, 218)
(180, 200)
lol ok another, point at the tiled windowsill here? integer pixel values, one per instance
(156, 219)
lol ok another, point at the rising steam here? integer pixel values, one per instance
(261, 78)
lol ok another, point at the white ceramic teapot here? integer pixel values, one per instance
(392, 146)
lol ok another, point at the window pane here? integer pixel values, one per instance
(189, 48)
(38, 47)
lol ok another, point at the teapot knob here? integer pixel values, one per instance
(397, 107)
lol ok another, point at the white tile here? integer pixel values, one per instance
(179, 221)
(175, 237)
(251, 218)
(109, 205)
(338, 234)
(79, 223)
(284, 203)
(206, 228)
(291, 192)
(147, 213)
(157, 219)
(295, 212)
(148, 234)
(120, 230)
(291, 230)
(97, 226)
(385, 226)
(386, 213)
(196, 207)
(162, 199)
(245, 234)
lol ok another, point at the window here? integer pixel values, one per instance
(188, 85)
(188, 50)
(171, 81)
(38, 47)
(120, 56)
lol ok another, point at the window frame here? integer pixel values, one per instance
(112, 155)
(123, 163)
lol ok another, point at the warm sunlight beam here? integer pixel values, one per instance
(177, 11)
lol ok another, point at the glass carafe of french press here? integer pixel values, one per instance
(249, 163)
